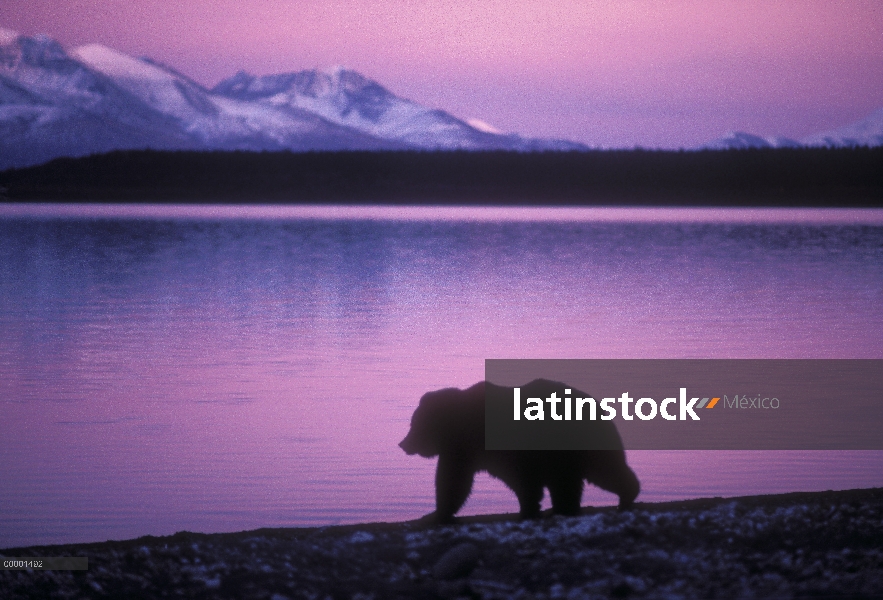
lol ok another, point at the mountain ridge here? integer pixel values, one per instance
(867, 131)
(92, 99)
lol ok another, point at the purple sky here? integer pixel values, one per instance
(607, 73)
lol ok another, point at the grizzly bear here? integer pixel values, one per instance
(450, 424)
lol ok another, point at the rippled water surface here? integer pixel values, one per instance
(219, 369)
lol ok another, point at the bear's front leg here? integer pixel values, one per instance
(529, 493)
(453, 484)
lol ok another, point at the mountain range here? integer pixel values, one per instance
(94, 99)
(865, 132)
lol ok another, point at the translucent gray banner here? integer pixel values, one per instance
(684, 404)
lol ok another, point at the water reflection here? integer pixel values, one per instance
(216, 374)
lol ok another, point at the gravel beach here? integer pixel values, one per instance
(814, 544)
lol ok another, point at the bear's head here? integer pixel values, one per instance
(428, 424)
(442, 419)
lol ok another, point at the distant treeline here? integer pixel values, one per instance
(768, 177)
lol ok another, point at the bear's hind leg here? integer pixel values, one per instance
(614, 475)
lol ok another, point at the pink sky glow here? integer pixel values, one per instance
(607, 73)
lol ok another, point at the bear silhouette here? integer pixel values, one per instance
(450, 424)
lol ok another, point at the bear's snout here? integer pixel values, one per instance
(408, 446)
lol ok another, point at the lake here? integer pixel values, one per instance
(218, 368)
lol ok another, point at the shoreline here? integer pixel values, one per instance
(447, 213)
(773, 500)
(800, 543)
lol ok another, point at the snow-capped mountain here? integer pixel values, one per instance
(94, 99)
(51, 105)
(865, 132)
(741, 140)
(218, 122)
(349, 99)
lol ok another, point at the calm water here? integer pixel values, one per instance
(219, 369)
